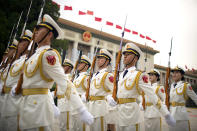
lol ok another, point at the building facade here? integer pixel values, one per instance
(189, 75)
(84, 38)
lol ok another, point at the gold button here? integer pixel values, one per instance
(35, 102)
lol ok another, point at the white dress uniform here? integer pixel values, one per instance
(65, 107)
(3, 124)
(130, 86)
(178, 96)
(101, 85)
(11, 107)
(151, 114)
(36, 110)
(80, 83)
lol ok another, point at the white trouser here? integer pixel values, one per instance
(99, 124)
(152, 124)
(45, 128)
(11, 123)
(65, 121)
(181, 125)
(78, 125)
(3, 123)
(128, 128)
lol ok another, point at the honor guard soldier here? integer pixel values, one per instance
(4, 73)
(80, 83)
(63, 103)
(101, 86)
(41, 70)
(130, 85)
(179, 93)
(11, 107)
(151, 114)
(4, 59)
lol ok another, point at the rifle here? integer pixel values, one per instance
(10, 36)
(167, 78)
(92, 68)
(76, 64)
(30, 50)
(39, 21)
(14, 55)
(117, 68)
(23, 30)
(17, 25)
(143, 97)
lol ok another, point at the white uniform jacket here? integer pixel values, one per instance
(101, 85)
(178, 95)
(41, 70)
(131, 86)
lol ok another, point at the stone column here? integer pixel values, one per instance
(74, 51)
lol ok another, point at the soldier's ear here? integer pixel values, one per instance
(51, 35)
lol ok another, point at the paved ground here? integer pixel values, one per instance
(192, 114)
(193, 121)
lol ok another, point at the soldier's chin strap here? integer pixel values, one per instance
(44, 37)
(83, 67)
(22, 53)
(104, 62)
(131, 61)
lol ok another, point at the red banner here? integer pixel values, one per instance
(109, 23)
(68, 8)
(98, 19)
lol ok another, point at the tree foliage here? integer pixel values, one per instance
(10, 11)
(190, 102)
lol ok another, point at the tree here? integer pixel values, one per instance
(10, 11)
(61, 46)
(190, 102)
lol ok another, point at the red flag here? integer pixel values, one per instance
(118, 27)
(53, 2)
(127, 30)
(134, 32)
(185, 67)
(68, 8)
(148, 38)
(98, 19)
(90, 12)
(142, 36)
(154, 41)
(109, 23)
(81, 13)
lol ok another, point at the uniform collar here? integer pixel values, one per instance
(102, 70)
(154, 84)
(42, 48)
(179, 82)
(23, 56)
(83, 73)
(133, 68)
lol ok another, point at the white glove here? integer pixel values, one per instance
(141, 107)
(13, 91)
(111, 100)
(170, 120)
(53, 94)
(83, 98)
(56, 111)
(85, 116)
